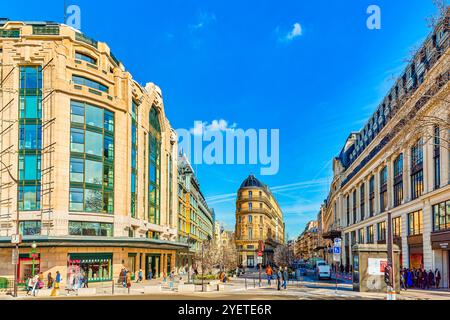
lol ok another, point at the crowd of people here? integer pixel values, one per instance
(419, 278)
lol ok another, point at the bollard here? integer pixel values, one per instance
(112, 290)
(245, 283)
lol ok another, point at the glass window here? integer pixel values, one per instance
(94, 172)
(108, 151)
(76, 140)
(441, 216)
(82, 81)
(76, 170)
(397, 227)
(76, 199)
(415, 223)
(93, 201)
(381, 230)
(85, 57)
(30, 228)
(29, 167)
(30, 137)
(30, 107)
(29, 198)
(77, 112)
(109, 121)
(94, 116)
(94, 143)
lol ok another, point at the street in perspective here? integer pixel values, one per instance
(112, 189)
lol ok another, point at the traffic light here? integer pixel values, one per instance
(388, 275)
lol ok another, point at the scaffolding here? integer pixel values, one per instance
(48, 147)
(8, 147)
(9, 128)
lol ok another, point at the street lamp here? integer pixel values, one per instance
(203, 267)
(33, 257)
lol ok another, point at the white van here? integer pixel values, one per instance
(323, 270)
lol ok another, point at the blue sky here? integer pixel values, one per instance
(309, 68)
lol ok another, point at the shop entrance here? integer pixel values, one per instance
(153, 264)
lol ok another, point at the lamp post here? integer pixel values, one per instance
(16, 239)
(33, 257)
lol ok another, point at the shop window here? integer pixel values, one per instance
(96, 266)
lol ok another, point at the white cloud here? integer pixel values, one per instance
(216, 125)
(203, 20)
(296, 32)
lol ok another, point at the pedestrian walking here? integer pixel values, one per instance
(171, 279)
(430, 279)
(49, 280)
(128, 280)
(425, 280)
(55, 290)
(437, 276)
(409, 279)
(30, 285)
(403, 275)
(150, 274)
(35, 285)
(285, 278)
(140, 276)
(269, 273)
(279, 276)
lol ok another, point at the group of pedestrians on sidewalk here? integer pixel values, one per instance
(36, 283)
(419, 278)
(281, 275)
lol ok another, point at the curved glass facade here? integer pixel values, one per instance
(91, 159)
(154, 168)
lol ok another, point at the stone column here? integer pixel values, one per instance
(376, 174)
(405, 248)
(427, 229)
(390, 183)
(428, 167)
(445, 161)
(406, 175)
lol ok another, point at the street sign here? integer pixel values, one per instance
(16, 239)
(337, 250)
(338, 242)
(259, 260)
(259, 254)
(15, 256)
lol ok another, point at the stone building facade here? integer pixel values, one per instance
(92, 157)
(399, 164)
(258, 219)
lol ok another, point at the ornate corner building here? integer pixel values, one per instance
(399, 163)
(258, 218)
(92, 157)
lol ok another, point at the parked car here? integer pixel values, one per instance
(323, 270)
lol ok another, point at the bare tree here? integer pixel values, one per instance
(283, 255)
(442, 8)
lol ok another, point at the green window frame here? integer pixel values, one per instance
(154, 168)
(92, 159)
(30, 138)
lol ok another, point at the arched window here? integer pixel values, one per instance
(154, 167)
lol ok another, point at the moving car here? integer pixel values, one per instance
(323, 270)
